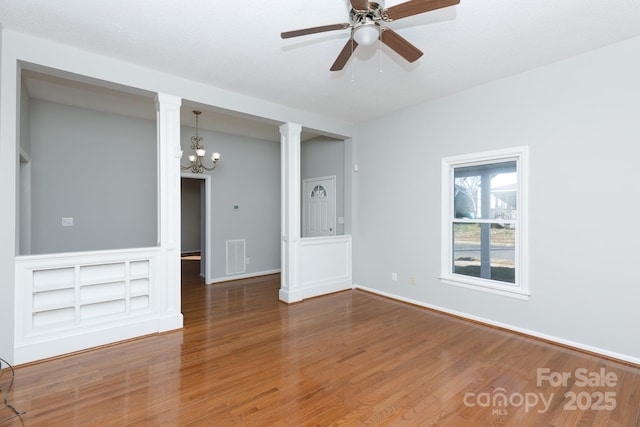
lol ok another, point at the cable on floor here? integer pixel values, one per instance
(16, 413)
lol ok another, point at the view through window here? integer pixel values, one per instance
(483, 196)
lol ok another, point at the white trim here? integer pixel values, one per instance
(485, 285)
(85, 339)
(61, 335)
(326, 265)
(521, 156)
(208, 245)
(524, 331)
(53, 260)
(326, 288)
(242, 276)
(168, 137)
(290, 206)
(289, 297)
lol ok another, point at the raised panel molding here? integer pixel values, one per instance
(326, 265)
(69, 302)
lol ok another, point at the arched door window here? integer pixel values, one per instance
(318, 191)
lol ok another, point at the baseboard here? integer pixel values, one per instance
(289, 297)
(242, 276)
(170, 322)
(325, 288)
(71, 342)
(618, 357)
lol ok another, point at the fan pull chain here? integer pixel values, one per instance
(353, 74)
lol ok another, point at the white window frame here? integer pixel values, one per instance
(521, 287)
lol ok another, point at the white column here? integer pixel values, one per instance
(290, 283)
(168, 286)
(9, 100)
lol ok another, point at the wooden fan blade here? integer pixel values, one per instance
(400, 45)
(360, 5)
(313, 30)
(414, 7)
(344, 55)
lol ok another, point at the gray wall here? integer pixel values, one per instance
(23, 242)
(580, 118)
(324, 156)
(190, 230)
(248, 175)
(94, 167)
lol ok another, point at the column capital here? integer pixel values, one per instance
(290, 128)
(166, 99)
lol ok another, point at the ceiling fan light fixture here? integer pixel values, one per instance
(365, 17)
(366, 34)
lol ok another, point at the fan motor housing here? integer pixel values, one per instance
(374, 14)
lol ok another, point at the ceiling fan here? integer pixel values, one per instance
(364, 21)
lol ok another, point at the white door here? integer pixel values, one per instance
(319, 206)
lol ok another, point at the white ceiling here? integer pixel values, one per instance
(236, 45)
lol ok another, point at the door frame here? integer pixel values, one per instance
(207, 257)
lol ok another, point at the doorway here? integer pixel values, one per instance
(195, 203)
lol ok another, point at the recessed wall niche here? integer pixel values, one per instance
(323, 157)
(88, 165)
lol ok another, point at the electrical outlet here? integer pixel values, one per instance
(247, 260)
(394, 276)
(413, 280)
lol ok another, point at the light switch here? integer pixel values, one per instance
(67, 222)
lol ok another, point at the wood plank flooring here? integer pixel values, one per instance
(351, 358)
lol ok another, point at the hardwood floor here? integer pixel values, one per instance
(350, 358)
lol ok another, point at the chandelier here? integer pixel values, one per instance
(196, 165)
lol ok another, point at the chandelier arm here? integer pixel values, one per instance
(189, 166)
(211, 168)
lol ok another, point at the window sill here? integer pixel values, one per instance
(486, 286)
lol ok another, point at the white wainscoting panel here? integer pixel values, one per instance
(326, 265)
(70, 302)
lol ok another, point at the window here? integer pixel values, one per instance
(318, 191)
(484, 221)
